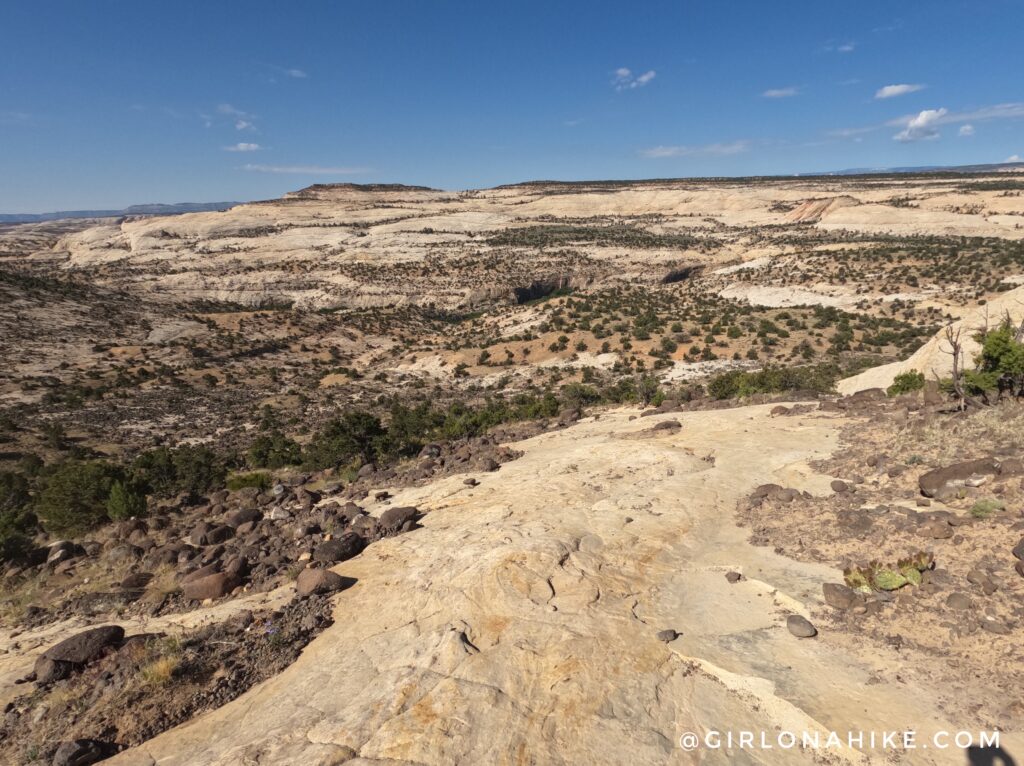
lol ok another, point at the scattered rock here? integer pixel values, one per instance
(936, 481)
(839, 596)
(84, 647)
(393, 519)
(800, 626)
(339, 549)
(212, 586)
(81, 752)
(959, 601)
(733, 577)
(312, 581)
(667, 635)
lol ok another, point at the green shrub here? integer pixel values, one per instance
(1001, 356)
(986, 507)
(16, 518)
(274, 450)
(125, 502)
(165, 472)
(906, 382)
(771, 380)
(258, 479)
(74, 497)
(354, 434)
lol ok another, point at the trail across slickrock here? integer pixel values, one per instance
(520, 624)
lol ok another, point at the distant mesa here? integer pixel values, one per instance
(151, 209)
(317, 189)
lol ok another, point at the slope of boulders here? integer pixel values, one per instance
(190, 550)
(100, 691)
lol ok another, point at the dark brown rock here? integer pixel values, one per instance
(394, 519)
(212, 586)
(839, 596)
(800, 626)
(82, 648)
(81, 752)
(339, 549)
(311, 581)
(936, 481)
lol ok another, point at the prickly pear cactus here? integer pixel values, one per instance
(910, 571)
(888, 579)
(855, 578)
(875, 576)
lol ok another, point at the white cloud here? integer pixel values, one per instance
(847, 48)
(716, 150)
(1014, 158)
(243, 120)
(314, 170)
(922, 127)
(996, 112)
(966, 130)
(298, 74)
(625, 80)
(792, 90)
(242, 147)
(891, 91)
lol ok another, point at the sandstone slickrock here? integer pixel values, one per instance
(480, 614)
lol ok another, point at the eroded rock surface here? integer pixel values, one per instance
(520, 623)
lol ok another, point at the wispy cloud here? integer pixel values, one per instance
(14, 118)
(852, 132)
(311, 170)
(891, 91)
(707, 150)
(1013, 158)
(789, 92)
(923, 127)
(1010, 111)
(624, 79)
(847, 48)
(298, 74)
(243, 120)
(242, 147)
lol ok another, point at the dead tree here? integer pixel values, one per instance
(957, 350)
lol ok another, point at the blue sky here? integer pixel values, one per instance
(109, 103)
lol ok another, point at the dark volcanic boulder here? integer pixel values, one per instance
(934, 482)
(212, 586)
(393, 519)
(339, 549)
(82, 752)
(136, 581)
(62, 659)
(86, 646)
(312, 581)
(243, 516)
